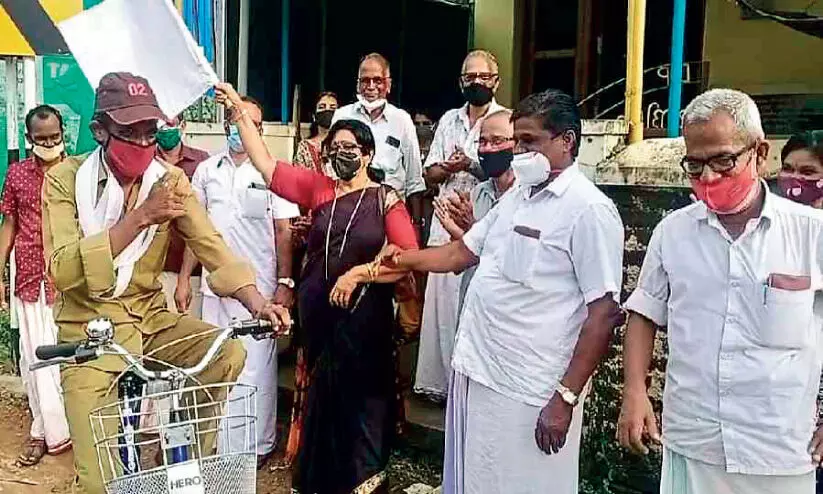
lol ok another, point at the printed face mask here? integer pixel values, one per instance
(803, 190)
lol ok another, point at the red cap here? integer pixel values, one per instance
(127, 99)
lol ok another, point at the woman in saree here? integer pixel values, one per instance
(345, 305)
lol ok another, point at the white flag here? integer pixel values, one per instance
(147, 38)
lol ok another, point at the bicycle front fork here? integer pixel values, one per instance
(130, 391)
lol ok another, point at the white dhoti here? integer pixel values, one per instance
(682, 475)
(438, 330)
(169, 281)
(45, 394)
(260, 371)
(490, 445)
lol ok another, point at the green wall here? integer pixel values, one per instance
(495, 25)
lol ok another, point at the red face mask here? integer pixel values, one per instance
(728, 194)
(802, 190)
(128, 160)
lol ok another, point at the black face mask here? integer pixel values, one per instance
(345, 165)
(478, 94)
(323, 118)
(496, 163)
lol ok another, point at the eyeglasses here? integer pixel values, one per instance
(494, 141)
(47, 141)
(369, 81)
(348, 147)
(718, 164)
(470, 77)
(129, 135)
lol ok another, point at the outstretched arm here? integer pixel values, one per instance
(252, 140)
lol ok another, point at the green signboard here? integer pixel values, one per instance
(65, 87)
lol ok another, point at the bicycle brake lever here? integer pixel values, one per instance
(48, 363)
(85, 354)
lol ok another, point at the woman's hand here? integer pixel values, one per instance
(225, 94)
(340, 295)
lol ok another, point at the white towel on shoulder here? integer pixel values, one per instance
(96, 215)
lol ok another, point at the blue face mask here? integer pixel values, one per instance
(235, 143)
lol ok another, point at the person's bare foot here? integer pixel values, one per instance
(34, 452)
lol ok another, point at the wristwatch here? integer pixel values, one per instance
(287, 282)
(568, 396)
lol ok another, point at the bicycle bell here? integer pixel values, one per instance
(100, 330)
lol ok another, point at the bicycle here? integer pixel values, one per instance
(187, 417)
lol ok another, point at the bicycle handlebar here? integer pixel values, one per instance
(65, 350)
(82, 351)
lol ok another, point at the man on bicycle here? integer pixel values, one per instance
(106, 226)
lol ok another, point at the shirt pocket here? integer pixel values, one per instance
(255, 203)
(520, 255)
(786, 318)
(388, 158)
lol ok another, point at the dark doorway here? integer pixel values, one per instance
(425, 42)
(579, 46)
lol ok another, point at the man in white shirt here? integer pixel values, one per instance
(397, 151)
(255, 224)
(538, 316)
(452, 163)
(736, 279)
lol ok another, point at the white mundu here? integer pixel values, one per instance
(543, 259)
(243, 210)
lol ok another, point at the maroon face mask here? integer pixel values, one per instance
(802, 190)
(128, 160)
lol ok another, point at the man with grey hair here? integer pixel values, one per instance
(736, 279)
(452, 164)
(397, 151)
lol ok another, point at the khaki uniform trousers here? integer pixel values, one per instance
(86, 388)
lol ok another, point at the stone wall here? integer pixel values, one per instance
(605, 467)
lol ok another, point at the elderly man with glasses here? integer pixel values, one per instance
(397, 152)
(736, 279)
(453, 165)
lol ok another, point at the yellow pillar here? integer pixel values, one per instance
(634, 69)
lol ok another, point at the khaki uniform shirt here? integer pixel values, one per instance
(82, 268)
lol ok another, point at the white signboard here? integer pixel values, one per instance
(147, 38)
(185, 478)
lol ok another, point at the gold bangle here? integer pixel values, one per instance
(373, 269)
